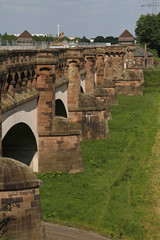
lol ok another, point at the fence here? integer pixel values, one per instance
(13, 45)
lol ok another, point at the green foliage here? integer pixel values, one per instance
(44, 38)
(109, 39)
(49, 175)
(84, 39)
(147, 31)
(152, 81)
(112, 196)
(4, 221)
(8, 37)
(99, 39)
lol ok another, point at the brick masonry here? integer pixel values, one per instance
(20, 207)
(25, 208)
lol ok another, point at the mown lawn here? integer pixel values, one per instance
(112, 196)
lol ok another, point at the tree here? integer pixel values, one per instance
(148, 31)
(112, 40)
(8, 37)
(84, 39)
(99, 39)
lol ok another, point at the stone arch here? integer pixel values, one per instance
(33, 73)
(107, 54)
(28, 74)
(60, 109)
(22, 75)
(121, 54)
(81, 89)
(20, 143)
(117, 54)
(112, 54)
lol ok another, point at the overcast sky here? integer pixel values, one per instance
(79, 18)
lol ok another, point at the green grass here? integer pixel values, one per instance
(112, 196)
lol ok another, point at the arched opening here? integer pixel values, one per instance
(9, 80)
(60, 109)
(16, 79)
(19, 143)
(81, 90)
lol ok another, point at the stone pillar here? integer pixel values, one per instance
(90, 74)
(1, 82)
(46, 103)
(73, 75)
(20, 207)
(100, 69)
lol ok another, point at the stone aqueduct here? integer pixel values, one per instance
(52, 99)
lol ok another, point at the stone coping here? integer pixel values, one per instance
(90, 103)
(64, 127)
(60, 82)
(100, 92)
(19, 98)
(15, 175)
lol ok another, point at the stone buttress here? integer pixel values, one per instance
(88, 112)
(59, 138)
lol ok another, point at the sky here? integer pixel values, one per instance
(89, 18)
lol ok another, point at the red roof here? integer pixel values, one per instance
(126, 33)
(25, 34)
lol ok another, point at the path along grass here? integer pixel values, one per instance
(114, 195)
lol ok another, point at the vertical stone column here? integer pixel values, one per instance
(1, 82)
(100, 69)
(46, 106)
(90, 74)
(73, 75)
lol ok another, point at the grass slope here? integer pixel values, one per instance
(113, 195)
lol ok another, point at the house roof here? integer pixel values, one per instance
(141, 53)
(25, 34)
(126, 36)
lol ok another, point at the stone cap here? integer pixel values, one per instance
(130, 75)
(60, 82)
(64, 127)
(99, 91)
(90, 103)
(15, 175)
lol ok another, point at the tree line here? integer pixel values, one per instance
(148, 31)
(109, 39)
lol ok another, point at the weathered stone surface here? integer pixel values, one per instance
(20, 201)
(88, 103)
(99, 72)
(10, 102)
(60, 82)
(63, 126)
(60, 153)
(14, 175)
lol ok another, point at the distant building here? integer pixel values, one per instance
(25, 39)
(71, 38)
(126, 38)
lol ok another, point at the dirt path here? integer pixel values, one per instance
(57, 232)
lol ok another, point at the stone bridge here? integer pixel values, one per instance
(52, 99)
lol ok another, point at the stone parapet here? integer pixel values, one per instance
(10, 102)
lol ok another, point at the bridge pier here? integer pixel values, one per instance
(59, 143)
(70, 89)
